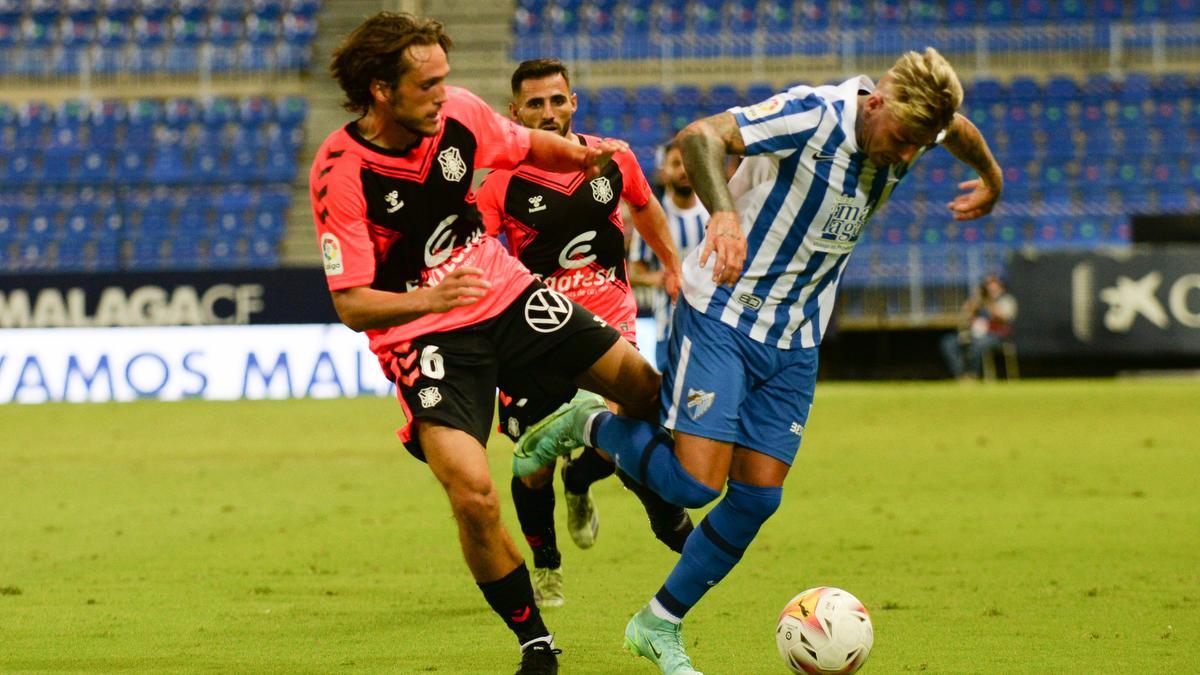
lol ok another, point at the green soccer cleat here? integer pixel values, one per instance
(557, 434)
(660, 641)
(548, 587)
(582, 520)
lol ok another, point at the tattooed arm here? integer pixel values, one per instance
(965, 142)
(704, 145)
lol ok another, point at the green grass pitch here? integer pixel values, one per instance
(1029, 527)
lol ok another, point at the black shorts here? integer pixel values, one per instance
(536, 347)
(530, 401)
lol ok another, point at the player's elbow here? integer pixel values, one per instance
(692, 134)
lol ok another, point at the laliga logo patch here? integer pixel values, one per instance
(764, 109)
(601, 190)
(547, 311)
(430, 396)
(453, 166)
(698, 402)
(331, 254)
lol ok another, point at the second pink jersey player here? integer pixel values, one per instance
(568, 230)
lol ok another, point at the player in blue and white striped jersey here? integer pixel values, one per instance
(686, 217)
(742, 359)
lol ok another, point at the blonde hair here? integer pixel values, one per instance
(924, 91)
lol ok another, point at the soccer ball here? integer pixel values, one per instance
(824, 631)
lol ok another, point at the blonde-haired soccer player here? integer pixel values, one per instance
(757, 297)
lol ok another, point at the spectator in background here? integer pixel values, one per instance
(985, 325)
(686, 217)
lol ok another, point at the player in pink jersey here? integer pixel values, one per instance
(449, 313)
(568, 230)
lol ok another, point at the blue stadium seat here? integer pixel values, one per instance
(262, 252)
(11, 11)
(189, 32)
(961, 12)
(233, 10)
(305, 8)
(185, 252)
(1070, 10)
(261, 31)
(721, 97)
(526, 23)
(181, 112)
(291, 110)
(255, 110)
(267, 9)
(288, 56)
(71, 256)
(223, 253)
(224, 32)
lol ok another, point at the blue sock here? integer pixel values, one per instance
(646, 452)
(716, 546)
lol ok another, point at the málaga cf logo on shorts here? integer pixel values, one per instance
(547, 311)
(698, 402)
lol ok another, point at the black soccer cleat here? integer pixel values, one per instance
(671, 524)
(539, 658)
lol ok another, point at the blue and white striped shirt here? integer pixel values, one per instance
(687, 231)
(804, 193)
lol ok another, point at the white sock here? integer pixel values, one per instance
(587, 426)
(661, 612)
(548, 639)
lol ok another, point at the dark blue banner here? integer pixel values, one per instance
(226, 297)
(1143, 302)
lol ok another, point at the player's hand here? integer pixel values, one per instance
(724, 236)
(978, 202)
(464, 286)
(671, 280)
(599, 155)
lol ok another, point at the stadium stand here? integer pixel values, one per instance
(148, 183)
(157, 181)
(643, 29)
(45, 38)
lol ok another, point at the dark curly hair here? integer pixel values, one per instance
(375, 51)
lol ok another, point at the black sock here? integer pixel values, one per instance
(584, 470)
(671, 524)
(535, 510)
(512, 598)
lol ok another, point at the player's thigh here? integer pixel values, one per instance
(623, 376)
(755, 468)
(773, 416)
(448, 378)
(457, 459)
(705, 379)
(704, 459)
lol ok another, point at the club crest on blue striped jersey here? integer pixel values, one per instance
(698, 402)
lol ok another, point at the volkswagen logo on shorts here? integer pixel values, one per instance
(547, 311)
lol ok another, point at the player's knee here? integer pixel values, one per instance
(754, 502)
(475, 506)
(688, 492)
(540, 478)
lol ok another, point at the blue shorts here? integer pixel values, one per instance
(720, 384)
